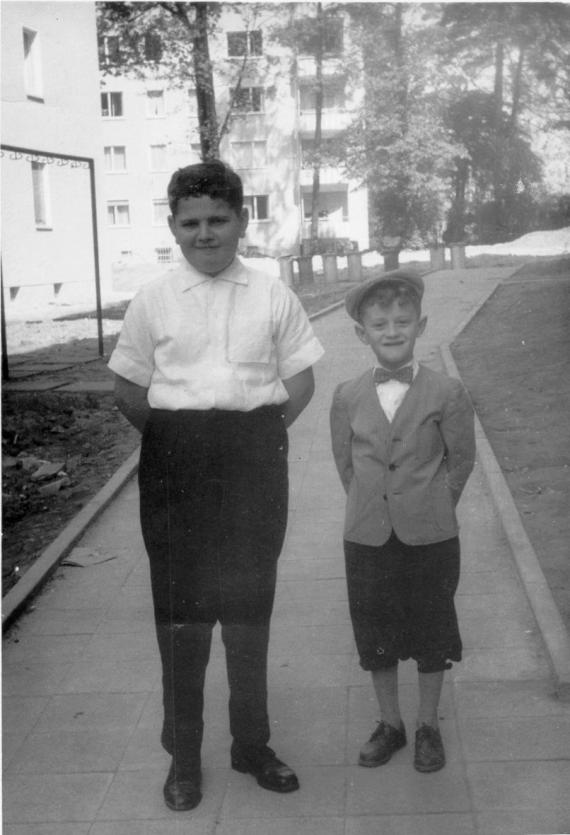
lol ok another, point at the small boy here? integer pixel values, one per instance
(404, 446)
(214, 362)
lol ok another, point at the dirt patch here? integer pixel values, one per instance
(58, 451)
(514, 358)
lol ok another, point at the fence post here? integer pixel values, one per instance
(457, 256)
(437, 257)
(305, 263)
(354, 264)
(286, 269)
(391, 259)
(330, 267)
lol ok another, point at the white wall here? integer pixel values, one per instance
(62, 118)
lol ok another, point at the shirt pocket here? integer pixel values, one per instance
(250, 341)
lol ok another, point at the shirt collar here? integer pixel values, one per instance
(235, 273)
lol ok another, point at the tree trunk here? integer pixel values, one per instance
(517, 85)
(455, 232)
(315, 204)
(498, 120)
(205, 95)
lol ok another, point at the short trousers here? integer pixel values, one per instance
(401, 600)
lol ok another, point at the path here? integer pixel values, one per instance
(82, 706)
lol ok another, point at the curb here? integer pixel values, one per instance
(325, 310)
(31, 582)
(540, 597)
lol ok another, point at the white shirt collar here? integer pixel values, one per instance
(236, 273)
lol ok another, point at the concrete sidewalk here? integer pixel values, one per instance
(82, 705)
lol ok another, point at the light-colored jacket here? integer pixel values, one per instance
(406, 476)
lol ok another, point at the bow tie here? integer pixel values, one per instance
(403, 375)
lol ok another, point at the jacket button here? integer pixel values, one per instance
(385, 497)
(392, 467)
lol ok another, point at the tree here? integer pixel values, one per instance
(315, 32)
(320, 24)
(171, 40)
(524, 49)
(400, 145)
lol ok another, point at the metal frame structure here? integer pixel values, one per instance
(40, 156)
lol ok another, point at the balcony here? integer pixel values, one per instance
(328, 176)
(333, 65)
(329, 229)
(333, 121)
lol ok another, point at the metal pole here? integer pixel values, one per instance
(5, 368)
(96, 259)
(91, 164)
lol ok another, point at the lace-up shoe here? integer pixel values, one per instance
(384, 742)
(265, 766)
(429, 753)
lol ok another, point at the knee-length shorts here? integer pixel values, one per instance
(401, 600)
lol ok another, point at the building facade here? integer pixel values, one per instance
(150, 128)
(51, 152)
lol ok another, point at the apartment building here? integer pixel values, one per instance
(150, 128)
(51, 152)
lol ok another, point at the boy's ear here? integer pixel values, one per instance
(422, 325)
(361, 333)
(171, 225)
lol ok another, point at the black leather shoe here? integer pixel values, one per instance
(429, 755)
(267, 769)
(384, 742)
(182, 789)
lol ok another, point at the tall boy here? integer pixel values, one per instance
(213, 364)
(403, 442)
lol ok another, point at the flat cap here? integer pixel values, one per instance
(355, 297)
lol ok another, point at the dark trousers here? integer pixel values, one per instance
(213, 501)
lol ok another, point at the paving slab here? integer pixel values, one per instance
(82, 709)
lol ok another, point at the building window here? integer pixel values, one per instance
(109, 50)
(160, 212)
(257, 206)
(333, 208)
(241, 44)
(152, 47)
(163, 254)
(249, 154)
(40, 188)
(32, 65)
(112, 105)
(118, 213)
(155, 103)
(329, 152)
(333, 38)
(334, 97)
(158, 159)
(248, 99)
(115, 158)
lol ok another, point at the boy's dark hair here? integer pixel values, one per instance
(212, 178)
(386, 293)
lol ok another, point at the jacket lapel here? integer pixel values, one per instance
(409, 402)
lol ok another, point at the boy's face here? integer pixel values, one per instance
(207, 231)
(391, 332)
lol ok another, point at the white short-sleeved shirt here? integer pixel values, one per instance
(226, 342)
